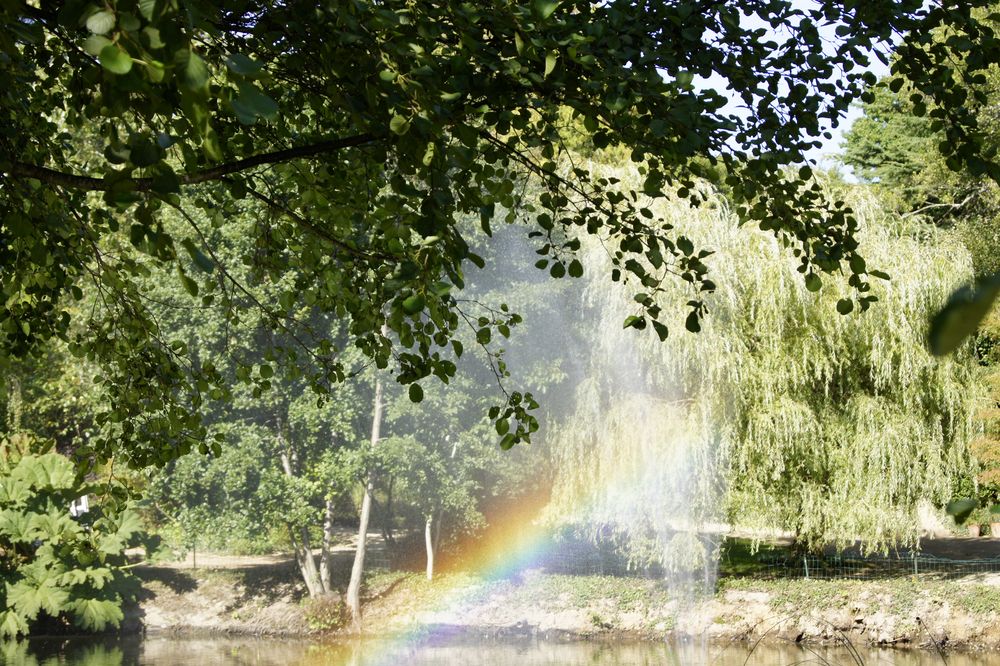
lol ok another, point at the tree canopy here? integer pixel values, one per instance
(357, 134)
(781, 413)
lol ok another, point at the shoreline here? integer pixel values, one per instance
(955, 615)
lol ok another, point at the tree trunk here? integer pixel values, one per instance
(437, 529)
(429, 543)
(303, 547)
(390, 538)
(357, 570)
(303, 557)
(325, 565)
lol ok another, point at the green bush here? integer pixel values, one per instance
(53, 565)
(325, 613)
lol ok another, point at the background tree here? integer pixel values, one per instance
(781, 414)
(897, 150)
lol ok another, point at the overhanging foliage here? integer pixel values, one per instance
(366, 127)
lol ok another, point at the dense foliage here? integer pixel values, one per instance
(781, 414)
(366, 127)
(55, 565)
(897, 152)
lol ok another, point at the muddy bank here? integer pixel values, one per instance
(267, 599)
(264, 599)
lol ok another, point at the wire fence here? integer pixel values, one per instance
(834, 567)
(577, 558)
(584, 557)
(581, 556)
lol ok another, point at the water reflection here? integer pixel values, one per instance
(164, 651)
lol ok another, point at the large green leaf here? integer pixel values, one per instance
(16, 526)
(962, 315)
(101, 22)
(56, 525)
(12, 624)
(28, 600)
(49, 471)
(243, 65)
(252, 104)
(961, 509)
(97, 614)
(115, 60)
(195, 73)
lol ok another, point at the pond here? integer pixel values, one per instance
(164, 651)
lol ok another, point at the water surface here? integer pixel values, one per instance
(168, 651)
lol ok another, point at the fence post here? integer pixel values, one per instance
(805, 565)
(915, 569)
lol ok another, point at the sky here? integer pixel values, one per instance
(827, 153)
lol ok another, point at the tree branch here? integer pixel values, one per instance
(77, 182)
(950, 205)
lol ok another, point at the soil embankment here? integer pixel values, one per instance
(262, 596)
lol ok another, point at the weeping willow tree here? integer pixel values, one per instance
(783, 413)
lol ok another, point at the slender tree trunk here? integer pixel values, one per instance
(387, 516)
(325, 565)
(303, 557)
(437, 530)
(357, 570)
(303, 547)
(429, 543)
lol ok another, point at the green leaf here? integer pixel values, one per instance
(551, 58)
(416, 393)
(97, 614)
(575, 269)
(28, 599)
(661, 330)
(961, 509)
(252, 104)
(144, 153)
(149, 9)
(156, 70)
(845, 306)
(195, 72)
(693, 322)
(115, 60)
(189, 285)
(95, 44)
(544, 8)
(414, 304)
(399, 125)
(961, 315)
(243, 65)
(684, 79)
(197, 256)
(165, 181)
(101, 23)
(12, 624)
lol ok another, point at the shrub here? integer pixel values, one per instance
(54, 565)
(325, 613)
